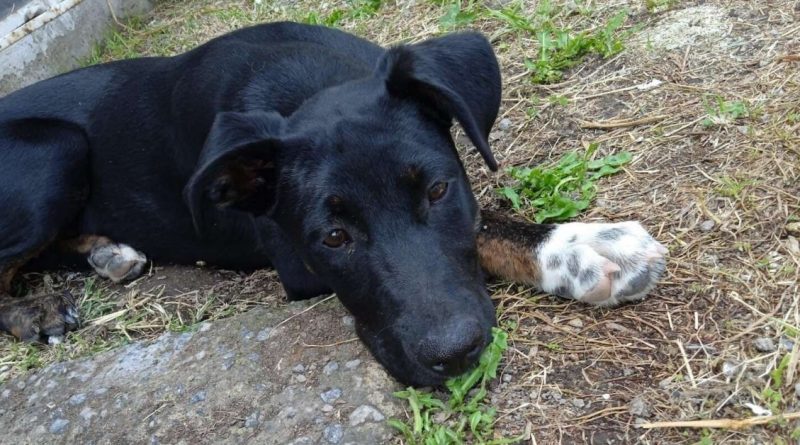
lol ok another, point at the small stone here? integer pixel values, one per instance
(575, 323)
(348, 320)
(200, 355)
(504, 124)
(300, 378)
(330, 368)
(21, 384)
(198, 397)
(246, 334)
(793, 228)
(638, 407)
(352, 364)
(77, 399)
(797, 389)
(507, 378)
(87, 414)
(228, 360)
(331, 395)
(263, 334)
(205, 327)
(578, 403)
(6, 393)
(764, 344)
(299, 369)
(707, 225)
(786, 343)
(58, 426)
(364, 413)
(333, 433)
(627, 372)
(606, 396)
(327, 408)
(252, 420)
(729, 368)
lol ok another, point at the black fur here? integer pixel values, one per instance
(249, 150)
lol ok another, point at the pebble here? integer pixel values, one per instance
(507, 378)
(729, 368)
(764, 344)
(348, 320)
(327, 408)
(331, 395)
(300, 378)
(575, 323)
(707, 225)
(333, 433)
(299, 369)
(77, 399)
(6, 393)
(263, 334)
(638, 407)
(252, 420)
(504, 124)
(352, 364)
(58, 426)
(205, 327)
(198, 397)
(87, 414)
(364, 413)
(246, 334)
(330, 368)
(797, 389)
(578, 403)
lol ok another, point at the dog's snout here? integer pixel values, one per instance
(453, 348)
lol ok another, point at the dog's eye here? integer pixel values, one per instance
(437, 192)
(336, 238)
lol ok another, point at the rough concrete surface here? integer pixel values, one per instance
(269, 377)
(56, 37)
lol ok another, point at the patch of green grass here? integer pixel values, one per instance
(465, 417)
(459, 14)
(722, 112)
(561, 48)
(356, 9)
(705, 438)
(654, 6)
(732, 187)
(561, 191)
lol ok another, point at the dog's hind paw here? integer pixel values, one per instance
(117, 262)
(43, 318)
(601, 264)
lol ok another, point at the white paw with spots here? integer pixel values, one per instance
(603, 264)
(117, 262)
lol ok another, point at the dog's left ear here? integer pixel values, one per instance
(457, 75)
(237, 166)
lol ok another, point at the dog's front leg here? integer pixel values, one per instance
(603, 264)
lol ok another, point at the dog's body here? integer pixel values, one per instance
(302, 148)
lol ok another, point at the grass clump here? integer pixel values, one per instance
(465, 416)
(561, 191)
(357, 9)
(561, 48)
(722, 112)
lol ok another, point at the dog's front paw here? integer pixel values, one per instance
(117, 262)
(601, 264)
(43, 318)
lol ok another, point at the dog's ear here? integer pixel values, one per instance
(457, 75)
(236, 168)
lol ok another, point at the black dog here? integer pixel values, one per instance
(304, 148)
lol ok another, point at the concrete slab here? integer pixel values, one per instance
(48, 37)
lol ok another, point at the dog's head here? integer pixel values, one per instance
(365, 180)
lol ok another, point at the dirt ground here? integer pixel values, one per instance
(705, 95)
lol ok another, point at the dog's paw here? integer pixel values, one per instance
(117, 262)
(601, 264)
(43, 318)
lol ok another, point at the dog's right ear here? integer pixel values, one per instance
(236, 168)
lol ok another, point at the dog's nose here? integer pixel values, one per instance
(453, 348)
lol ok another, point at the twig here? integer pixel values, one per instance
(686, 363)
(622, 122)
(733, 424)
